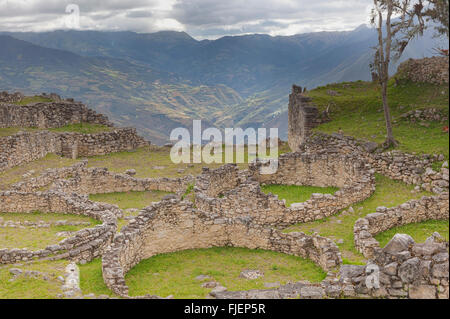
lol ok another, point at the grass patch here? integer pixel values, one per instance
(8, 131)
(128, 200)
(91, 279)
(174, 273)
(388, 193)
(14, 175)
(83, 128)
(419, 231)
(37, 238)
(357, 111)
(25, 287)
(296, 194)
(33, 99)
(153, 162)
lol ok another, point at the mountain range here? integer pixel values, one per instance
(160, 81)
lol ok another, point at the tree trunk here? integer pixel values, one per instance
(390, 141)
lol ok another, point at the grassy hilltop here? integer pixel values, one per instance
(357, 110)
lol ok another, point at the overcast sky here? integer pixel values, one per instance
(200, 18)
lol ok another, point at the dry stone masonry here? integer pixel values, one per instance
(412, 169)
(303, 117)
(29, 146)
(48, 114)
(427, 70)
(414, 211)
(25, 147)
(6, 97)
(240, 194)
(228, 206)
(83, 246)
(403, 269)
(175, 225)
(83, 180)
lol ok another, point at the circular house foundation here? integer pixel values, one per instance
(83, 246)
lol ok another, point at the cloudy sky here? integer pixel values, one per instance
(200, 18)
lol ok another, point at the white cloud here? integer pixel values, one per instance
(200, 18)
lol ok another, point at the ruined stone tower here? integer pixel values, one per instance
(302, 118)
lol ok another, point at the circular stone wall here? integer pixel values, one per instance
(241, 195)
(174, 225)
(83, 246)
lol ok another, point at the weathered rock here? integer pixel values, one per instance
(400, 242)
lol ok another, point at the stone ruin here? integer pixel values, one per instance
(303, 117)
(24, 147)
(6, 97)
(432, 70)
(229, 209)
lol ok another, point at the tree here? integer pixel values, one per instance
(438, 12)
(409, 23)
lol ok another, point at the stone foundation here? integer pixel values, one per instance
(174, 225)
(402, 270)
(247, 201)
(414, 211)
(83, 246)
(303, 117)
(427, 70)
(49, 115)
(408, 168)
(83, 180)
(25, 147)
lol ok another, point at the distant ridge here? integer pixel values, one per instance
(163, 80)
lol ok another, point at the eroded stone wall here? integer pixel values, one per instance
(409, 168)
(83, 246)
(49, 115)
(404, 269)
(414, 211)
(427, 70)
(303, 117)
(80, 179)
(75, 145)
(174, 225)
(248, 202)
(25, 147)
(6, 97)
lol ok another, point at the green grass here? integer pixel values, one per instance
(174, 273)
(83, 128)
(8, 131)
(388, 193)
(33, 99)
(32, 288)
(419, 231)
(296, 194)
(14, 175)
(37, 238)
(91, 279)
(147, 162)
(130, 199)
(357, 111)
